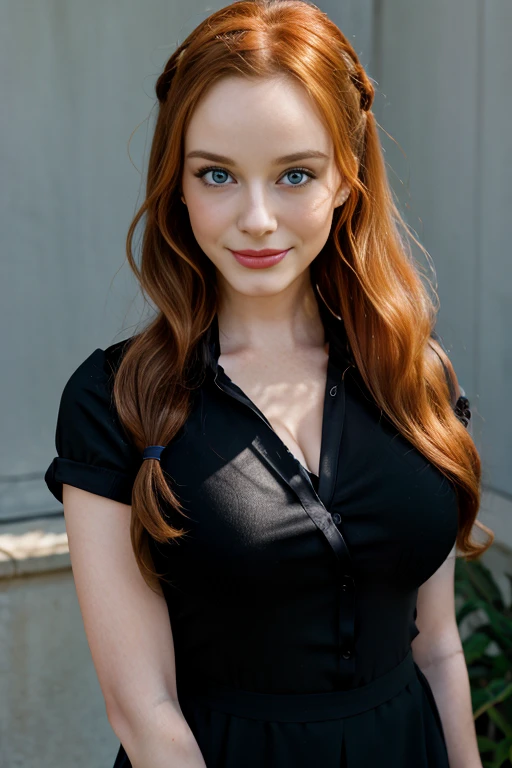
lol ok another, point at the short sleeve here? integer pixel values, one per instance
(94, 451)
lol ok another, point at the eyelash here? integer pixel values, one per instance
(202, 171)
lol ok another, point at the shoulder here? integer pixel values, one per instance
(103, 361)
(96, 373)
(94, 451)
(113, 355)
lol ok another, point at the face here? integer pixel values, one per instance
(253, 198)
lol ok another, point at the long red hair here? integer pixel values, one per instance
(365, 272)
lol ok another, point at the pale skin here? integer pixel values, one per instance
(438, 652)
(271, 335)
(272, 346)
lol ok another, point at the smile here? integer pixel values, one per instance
(257, 261)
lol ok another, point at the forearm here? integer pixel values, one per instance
(161, 740)
(448, 678)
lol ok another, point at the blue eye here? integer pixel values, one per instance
(201, 172)
(300, 172)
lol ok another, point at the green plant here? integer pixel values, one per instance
(485, 623)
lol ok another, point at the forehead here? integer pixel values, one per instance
(270, 117)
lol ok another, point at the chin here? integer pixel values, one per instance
(258, 284)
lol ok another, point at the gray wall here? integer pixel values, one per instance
(77, 80)
(52, 713)
(444, 73)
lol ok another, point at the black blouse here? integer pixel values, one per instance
(286, 583)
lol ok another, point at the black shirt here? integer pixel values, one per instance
(286, 583)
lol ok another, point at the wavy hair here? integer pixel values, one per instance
(365, 271)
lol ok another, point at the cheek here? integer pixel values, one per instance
(313, 217)
(206, 221)
(308, 215)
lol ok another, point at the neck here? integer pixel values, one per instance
(271, 324)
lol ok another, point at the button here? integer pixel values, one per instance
(346, 582)
(336, 518)
(346, 653)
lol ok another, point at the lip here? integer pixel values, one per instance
(257, 261)
(262, 252)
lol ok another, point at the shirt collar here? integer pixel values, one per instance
(335, 334)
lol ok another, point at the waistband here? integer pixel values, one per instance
(302, 707)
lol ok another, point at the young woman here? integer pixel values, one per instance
(264, 489)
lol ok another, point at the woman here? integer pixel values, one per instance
(265, 487)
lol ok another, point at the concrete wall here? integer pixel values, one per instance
(444, 70)
(78, 79)
(52, 713)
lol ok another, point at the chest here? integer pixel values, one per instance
(246, 510)
(290, 393)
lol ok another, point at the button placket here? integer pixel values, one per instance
(316, 503)
(346, 625)
(345, 582)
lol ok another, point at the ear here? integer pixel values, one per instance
(342, 194)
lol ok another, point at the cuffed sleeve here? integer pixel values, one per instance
(94, 452)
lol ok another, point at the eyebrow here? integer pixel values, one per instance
(294, 157)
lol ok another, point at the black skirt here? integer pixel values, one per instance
(392, 722)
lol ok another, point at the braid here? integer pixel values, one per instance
(356, 72)
(363, 84)
(358, 77)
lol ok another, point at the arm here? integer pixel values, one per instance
(129, 635)
(438, 652)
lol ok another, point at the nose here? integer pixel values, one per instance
(256, 216)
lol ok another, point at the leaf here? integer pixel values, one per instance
(496, 691)
(502, 752)
(485, 744)
(483, 581)
(500, 665)
(466, 609)
(481, 673)
(474, 646)
(507, 709)
(501, 642)
(500, 623)
(479, 698)
(500, 721)
(463, 585)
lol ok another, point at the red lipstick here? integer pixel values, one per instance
(263, 252)
(266, 257)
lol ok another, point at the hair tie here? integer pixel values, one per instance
(152, 452)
